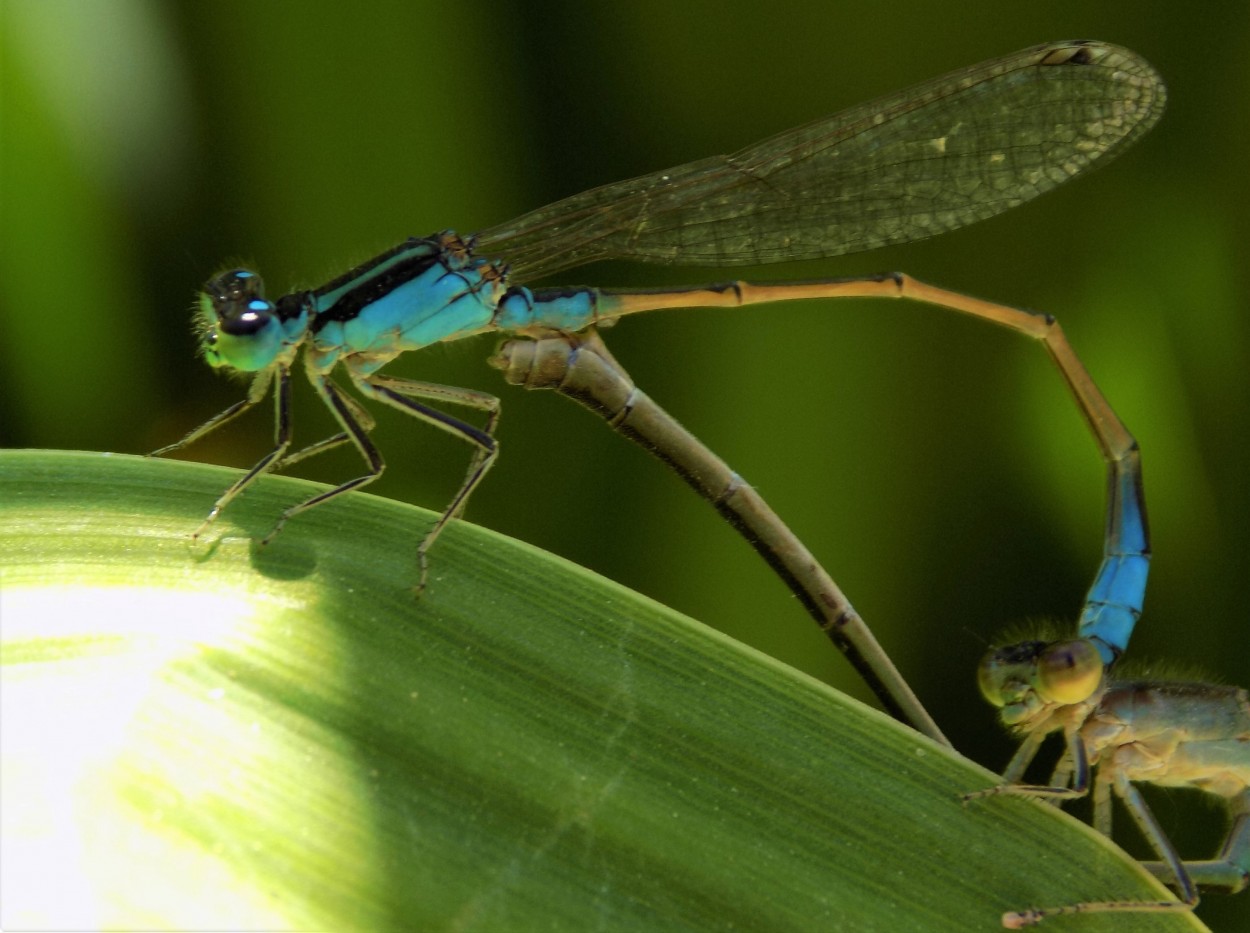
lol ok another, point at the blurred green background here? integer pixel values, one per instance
(934, 464)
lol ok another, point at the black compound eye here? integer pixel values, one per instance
(236, 286)
(238, 302)
(240, 321)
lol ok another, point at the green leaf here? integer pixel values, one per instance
(216, 734)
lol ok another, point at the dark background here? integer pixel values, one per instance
(934, 464)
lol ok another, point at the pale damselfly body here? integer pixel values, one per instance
(1175, 734)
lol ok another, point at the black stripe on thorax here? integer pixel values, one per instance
(365, 284)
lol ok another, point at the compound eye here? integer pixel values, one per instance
(990, 680)
(237, 301)
(1069, 671)
(238, 286)
(243, 320)
(1005, 674)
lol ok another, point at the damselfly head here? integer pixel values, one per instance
(1032, 677)
(238, 327)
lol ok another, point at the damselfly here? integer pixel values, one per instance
(1124, 733)
(914, 164)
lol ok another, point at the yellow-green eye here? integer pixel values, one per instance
(990, 681)
(1005, 674)
(1069, 671)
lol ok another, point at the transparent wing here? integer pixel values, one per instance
(914, 164)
